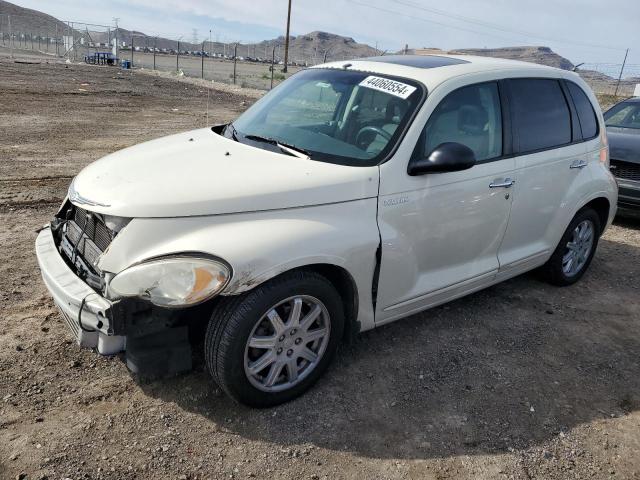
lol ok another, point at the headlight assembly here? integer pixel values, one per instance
(177, 281)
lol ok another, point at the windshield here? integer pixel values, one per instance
(625, 115)
(337, 116)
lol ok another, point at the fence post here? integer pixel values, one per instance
(178, 57)
(155, 42)
(10, 37)
(56, 40)
(273, 61)
(202, 61)
(132, 37)
(235, 60)
(621, 70)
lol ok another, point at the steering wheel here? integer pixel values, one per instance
(371, 129)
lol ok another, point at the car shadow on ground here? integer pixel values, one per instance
(502, 369)
(628, 220)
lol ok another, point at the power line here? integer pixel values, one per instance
(497, 26)
(413, 17)
(471, 20)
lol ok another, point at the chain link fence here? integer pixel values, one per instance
(259, 66)
(611, 78)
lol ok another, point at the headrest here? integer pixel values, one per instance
(472, 119)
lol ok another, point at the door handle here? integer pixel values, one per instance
(506, 183)
(578, 164)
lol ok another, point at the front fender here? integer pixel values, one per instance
(261, 245)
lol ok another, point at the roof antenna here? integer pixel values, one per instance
(575, 67)
(346, 65)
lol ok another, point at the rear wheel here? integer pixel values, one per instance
(271, 344)
(575, 251)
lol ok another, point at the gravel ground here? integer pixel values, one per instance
(519, 381)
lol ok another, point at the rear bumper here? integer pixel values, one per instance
(70, 293)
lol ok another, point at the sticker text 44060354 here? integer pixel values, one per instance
(386, 85)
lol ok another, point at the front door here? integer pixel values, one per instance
(441, 232)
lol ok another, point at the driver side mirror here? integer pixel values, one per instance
(447, 157)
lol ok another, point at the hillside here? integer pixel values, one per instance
(312, 47)
(540, 55)
(26, 20)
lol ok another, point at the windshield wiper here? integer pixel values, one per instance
(234, 132)
(285, 147)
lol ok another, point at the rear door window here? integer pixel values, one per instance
(541, 115)
(586, 115)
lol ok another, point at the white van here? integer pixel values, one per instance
(354, 194)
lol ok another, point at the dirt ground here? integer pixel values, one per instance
(519, 381)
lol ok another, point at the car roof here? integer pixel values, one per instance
(431, 70)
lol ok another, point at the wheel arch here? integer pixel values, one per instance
(602, 207)
(344, 284)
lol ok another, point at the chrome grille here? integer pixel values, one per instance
(625, 170)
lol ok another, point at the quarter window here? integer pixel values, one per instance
(586, 115)
(470, 116)
(541, 114)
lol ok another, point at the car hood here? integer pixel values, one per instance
(202, 173)
(624, 144)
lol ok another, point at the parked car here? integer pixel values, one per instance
(354, 194)
(623, 130)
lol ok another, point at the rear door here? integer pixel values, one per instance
(550, 160)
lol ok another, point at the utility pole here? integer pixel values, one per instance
(202, 61)
(286, 39)
(621, 70)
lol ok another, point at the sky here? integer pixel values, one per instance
(591, 31)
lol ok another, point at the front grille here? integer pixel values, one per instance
(93, 228)
(83, 238)
(625, 170)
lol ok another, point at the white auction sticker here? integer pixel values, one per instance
(398, 89)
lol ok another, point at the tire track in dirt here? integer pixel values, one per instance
(33, 191)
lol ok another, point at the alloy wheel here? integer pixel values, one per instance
(287, 343)
(578, 248)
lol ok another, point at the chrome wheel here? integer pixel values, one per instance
(287, 343)
(578, 248)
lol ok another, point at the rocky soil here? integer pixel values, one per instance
(520, 381)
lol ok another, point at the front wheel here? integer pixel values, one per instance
(575, 251)
(271, 344)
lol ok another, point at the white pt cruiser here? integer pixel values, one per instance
(354, 194)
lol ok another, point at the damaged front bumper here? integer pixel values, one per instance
(155, 340)
(154, 343)
(90, 317)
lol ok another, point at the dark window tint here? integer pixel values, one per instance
(470, 116)
(541, 114)
(586, 115)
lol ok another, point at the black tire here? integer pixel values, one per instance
(234, 319)
(552, 271)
